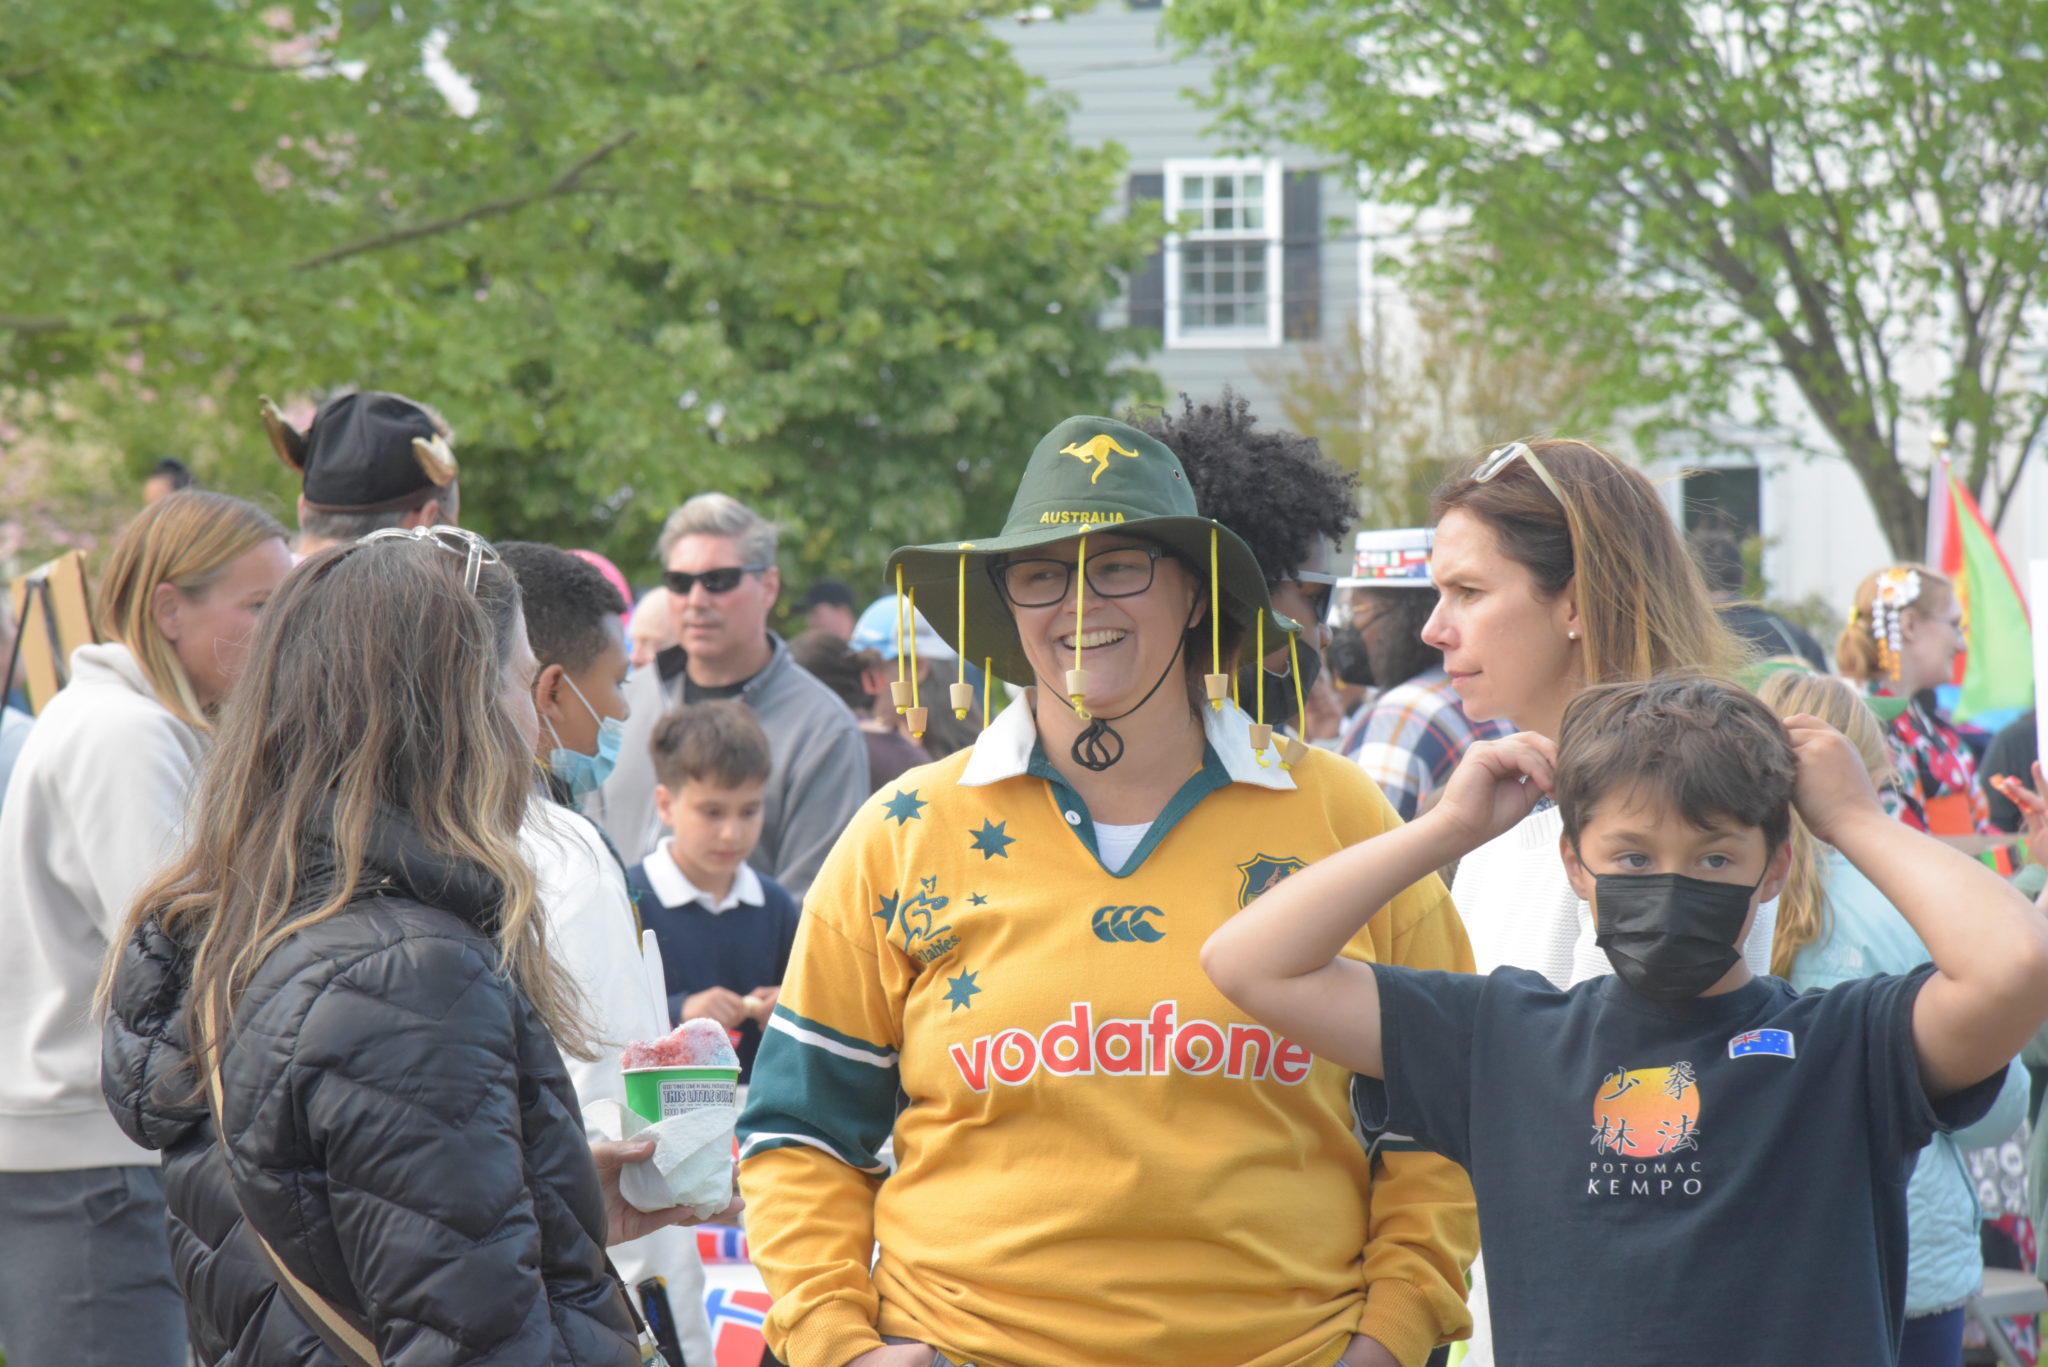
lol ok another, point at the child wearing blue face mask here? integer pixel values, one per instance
(1682, 1163)
(572, 622)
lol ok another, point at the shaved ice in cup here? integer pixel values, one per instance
(682, 1087)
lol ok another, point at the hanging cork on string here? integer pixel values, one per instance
(915, 716)
(1077, 677)
(1294, 747)
(1262, 734)
(1216, 682)
(900, 692)
(962, 692)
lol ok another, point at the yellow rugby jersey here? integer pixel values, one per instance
(1098, 1158)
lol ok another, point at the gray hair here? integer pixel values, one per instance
(718, 514)
(354, 526)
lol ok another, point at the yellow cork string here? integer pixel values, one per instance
(960, 644)
(1215, 614)
(1294, 668)
(1259, 688)
(913, 645)
(899, 628)
(988, 681)
(1080, 594)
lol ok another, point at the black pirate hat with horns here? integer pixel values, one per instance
(366, 452)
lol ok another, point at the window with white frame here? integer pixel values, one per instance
(1223, 266)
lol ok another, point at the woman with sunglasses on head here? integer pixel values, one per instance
(344, 978)
(1557, 567)
(1099, 1159)
(95, 803)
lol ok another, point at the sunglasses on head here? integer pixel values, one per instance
(722, 580)
(475, 551)
(1503, 456)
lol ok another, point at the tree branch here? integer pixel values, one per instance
(497, 208)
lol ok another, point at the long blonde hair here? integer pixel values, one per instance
(187, 540)
(374, 683)
(1643, 607)
(1804, 914)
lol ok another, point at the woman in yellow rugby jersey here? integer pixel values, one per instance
(1096, 1158)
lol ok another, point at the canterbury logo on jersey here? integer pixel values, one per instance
(1154, 1046)
(1126, 923)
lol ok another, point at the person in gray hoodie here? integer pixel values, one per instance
(94, 804)
(722, 583)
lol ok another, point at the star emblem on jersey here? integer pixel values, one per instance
(991, 841)
(977, 899)
(887, 915)
(905, 807)
(960, 991)
(1261, 872)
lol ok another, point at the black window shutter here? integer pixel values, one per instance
(1147, 191)
(1301, 256)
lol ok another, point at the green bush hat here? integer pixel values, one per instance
(1088, 474)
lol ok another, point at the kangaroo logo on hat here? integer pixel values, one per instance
(1097, 449)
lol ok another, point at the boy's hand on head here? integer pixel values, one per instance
(1832, 786)
(1497, 784)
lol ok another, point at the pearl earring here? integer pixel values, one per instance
(1571, 635)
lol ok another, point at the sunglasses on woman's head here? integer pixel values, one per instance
(721, 581)
(1503, 456)
(476, 551)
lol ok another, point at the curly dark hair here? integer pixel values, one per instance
(1274, 488)
(567, 601)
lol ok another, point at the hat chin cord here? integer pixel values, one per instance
(1098, 747)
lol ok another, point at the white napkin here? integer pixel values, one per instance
(692, 1162)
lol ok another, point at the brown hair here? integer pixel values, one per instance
(375, 681)
(187, 540)
(1711, 748)
(710, 742)
(1856, 652)
(1803, 910)
(1643, 608)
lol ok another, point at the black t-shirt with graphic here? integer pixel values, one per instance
(1716, 1181)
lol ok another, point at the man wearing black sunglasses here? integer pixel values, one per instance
(719, 573)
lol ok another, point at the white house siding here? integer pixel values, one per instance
(1129, 88)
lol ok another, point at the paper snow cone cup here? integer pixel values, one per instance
(657, 1094)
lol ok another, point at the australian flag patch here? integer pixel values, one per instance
(1777, 1042)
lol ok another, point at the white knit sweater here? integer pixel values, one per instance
(1519, 911)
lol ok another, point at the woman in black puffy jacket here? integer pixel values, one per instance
(399, 1127)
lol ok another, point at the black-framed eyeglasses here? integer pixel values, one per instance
(722, 580)
(1121, 573)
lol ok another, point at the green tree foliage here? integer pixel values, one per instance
(1716, 201)
(838, 257)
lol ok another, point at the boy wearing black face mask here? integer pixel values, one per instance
(1682, 1163)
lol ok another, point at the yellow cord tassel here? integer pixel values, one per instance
(1215, 681)
(962, 691)
(915, 715)
(899, 688)
(988, 681)
(1295, 747)
(1262, 734)
(1077, 677)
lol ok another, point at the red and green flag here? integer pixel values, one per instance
(1996, 671)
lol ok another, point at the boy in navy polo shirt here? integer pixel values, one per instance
(725, 930)
(1680, 1164)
